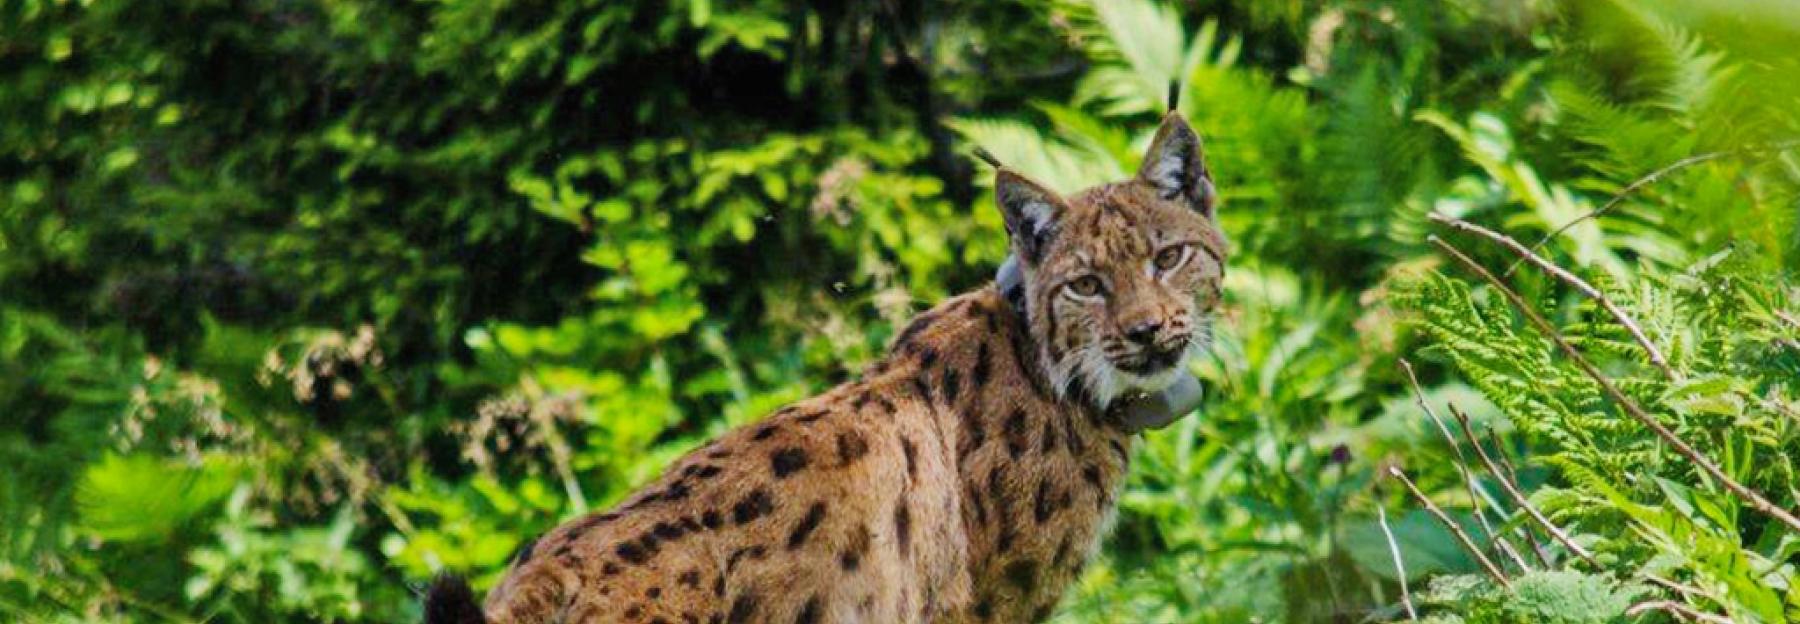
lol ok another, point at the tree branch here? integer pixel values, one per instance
(1795, 323)
(1399, 565)
(1790, 318)
(1462, 463)
(1461, 536)
(1517, 496)
(1525, 255)
(1513, 475)
(1685, 612)
(1638, 185)
(1687, 592)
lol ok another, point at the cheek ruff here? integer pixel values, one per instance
(1161, 379)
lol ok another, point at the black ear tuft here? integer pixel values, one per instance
(988, 157)
(1031, 212)
(1176, 166)
(1174, 95)
(450, 601)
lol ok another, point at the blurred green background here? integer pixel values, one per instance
(304, 301)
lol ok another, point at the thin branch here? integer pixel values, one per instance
(1773, 406)
(1628, 191)
(1789, 317)
(1631, 325)
(1512, 474)
(1685, 612)
(1638, 185)
(1792, 321)
(1517, 496)
(1749, 496)
(1399, 564)
(1686, 591)
(1456, 529)
(1462, 463)
(1537, 548)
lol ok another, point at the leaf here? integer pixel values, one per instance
(137, 498)
(1426, 546)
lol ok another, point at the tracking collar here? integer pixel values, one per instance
(1134, 413)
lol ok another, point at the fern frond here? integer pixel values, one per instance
(1057, 163)
(1139, 49)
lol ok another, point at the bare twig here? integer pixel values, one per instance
(1456, 529)
(1628, 191)
(1462, 463)
(1512, 474)
(1517, 496)
(1399, 565)
(1751, 497)
(1685, 590)
(1685, 612)
(1638, 185)
(1789, 318)
(1631, 325)
(1773, 406)
(1688, 593)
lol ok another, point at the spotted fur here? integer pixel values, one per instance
(967, 477)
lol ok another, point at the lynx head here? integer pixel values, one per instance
(1120, 280)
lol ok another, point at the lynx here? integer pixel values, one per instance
(965, 477)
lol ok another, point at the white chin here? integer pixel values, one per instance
(1112, 383)
(1155, 382)
(1108, 382)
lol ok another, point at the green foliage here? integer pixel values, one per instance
(304, 302)
(1552, 597)
(139, 498)
(1724, 326)
(251, 570)
(1642, 508)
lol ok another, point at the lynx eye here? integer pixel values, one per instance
(1170, 257)
(1086, 286)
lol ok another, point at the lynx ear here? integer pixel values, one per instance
(1031, 212)
(1176, 166)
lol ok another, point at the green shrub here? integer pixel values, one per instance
(304, 302)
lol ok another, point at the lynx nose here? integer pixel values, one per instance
(1144, 333)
